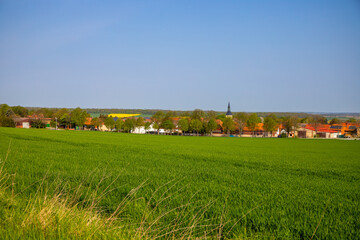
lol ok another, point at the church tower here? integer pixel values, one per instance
(229, 113)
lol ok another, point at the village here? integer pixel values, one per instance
(198, 123)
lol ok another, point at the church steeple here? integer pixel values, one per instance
(229, 113)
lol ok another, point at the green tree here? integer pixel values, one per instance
(169, 115)
(119, 124)
(20, 111)
(291, 124)
(102, 117)
(211, 125)
(168, 125)
(140, 122)
(65, 119)
(45, 112)
(157, 127)
(211, 115)
(109, 123)
(147, 126)
(129, 125)
(228, 125)
(304, 120)
(252, 122)
(197, 114)
(351, 120)
(96, 122)
(58, 115)
(78, 117)
(83, 117)
(270, 124)
(6, 116)
(183, 125)
(221, 117)
(3, 109)
(185, 114)
(196, 125)
(241, 119)
(53, 124)
(158, 119)
(335, 121)
(37, 123)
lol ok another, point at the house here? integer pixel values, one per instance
(22, 122)
(322, 131)
(352, 130)
(25, 122)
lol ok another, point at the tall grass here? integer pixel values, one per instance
(56, 211)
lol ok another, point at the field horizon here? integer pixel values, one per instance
(178, 186)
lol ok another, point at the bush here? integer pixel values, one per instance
(37, 123)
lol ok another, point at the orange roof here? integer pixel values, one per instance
(88, 121)
(321, 128)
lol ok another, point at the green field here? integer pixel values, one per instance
(174, 186)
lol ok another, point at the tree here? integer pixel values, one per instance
(228, 125)
(3, 109)
(158, 119)
(252, 122)
(168, 125)
(211, 115)
(78, 117)
(6, 118)
(96, 122)
(109, 123)
(211, 126)
(59, 115)
(196, 125)
(351, 120)
(60, 112)
(83, 117)
(241, 119)
(37, 123)
(119, 124)
(129, 125)
(140, 122)
(270, 124)
(147, 126)
(47, 113)
(335, 121)
(304, 120)
(183, 124)
(102, 117)
(65, 119)
(316, 121)
(291, 124)
(169, 115)
(157, 127)
(20, 111)
(221, 117)
(53, 124)
(197, 114)
(185, 114)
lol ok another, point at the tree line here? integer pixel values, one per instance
(194, 122)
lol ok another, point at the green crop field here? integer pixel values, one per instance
(77, 184)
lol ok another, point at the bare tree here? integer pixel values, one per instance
(241, 119)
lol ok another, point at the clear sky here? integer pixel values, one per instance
(260, 55)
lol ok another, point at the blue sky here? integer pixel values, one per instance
(181, 55)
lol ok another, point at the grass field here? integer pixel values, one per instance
(55, 183)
